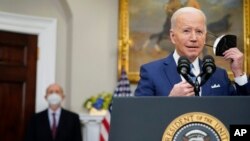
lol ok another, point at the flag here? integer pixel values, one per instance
(104, 129)
(122, 89)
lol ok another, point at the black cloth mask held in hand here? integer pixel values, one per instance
(223, 43)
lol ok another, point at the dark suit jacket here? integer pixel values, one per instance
(69, 127)
(159, 77)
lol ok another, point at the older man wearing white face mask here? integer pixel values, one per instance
(54, 123)
(54, 96)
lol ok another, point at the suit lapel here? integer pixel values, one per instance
(205, 88)
(46, 124)
(170, 70)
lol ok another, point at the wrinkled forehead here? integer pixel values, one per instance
(54, 88)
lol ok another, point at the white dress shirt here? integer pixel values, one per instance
(57, 115)
(195, 69)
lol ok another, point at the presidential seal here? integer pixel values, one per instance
(196, 126)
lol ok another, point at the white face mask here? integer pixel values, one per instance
(54, 99)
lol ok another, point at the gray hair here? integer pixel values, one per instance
(185, 10)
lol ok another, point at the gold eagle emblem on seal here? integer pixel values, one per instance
(196, 126)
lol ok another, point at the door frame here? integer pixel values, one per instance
(45, 29)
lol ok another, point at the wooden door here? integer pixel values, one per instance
(18, 56)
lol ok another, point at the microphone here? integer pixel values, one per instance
(208, 68)
(183, 68)
(208, 64)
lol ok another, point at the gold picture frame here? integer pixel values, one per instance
(127, 41)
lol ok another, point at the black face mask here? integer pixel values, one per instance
(224, 43)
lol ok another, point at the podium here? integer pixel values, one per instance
(176, 118)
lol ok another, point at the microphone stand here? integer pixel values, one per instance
(195, 84)
(196, 87)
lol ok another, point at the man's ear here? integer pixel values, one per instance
(63, 97)
(172, 36)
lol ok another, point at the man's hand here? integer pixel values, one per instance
(182, 89)
(236, 60)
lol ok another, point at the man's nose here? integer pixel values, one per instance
(193, 36)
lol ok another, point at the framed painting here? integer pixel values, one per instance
(144, 30)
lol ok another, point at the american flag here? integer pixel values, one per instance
(122, 89)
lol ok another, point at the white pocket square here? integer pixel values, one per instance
(215, 86)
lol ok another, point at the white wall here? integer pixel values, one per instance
(94, 50)
(86, 56)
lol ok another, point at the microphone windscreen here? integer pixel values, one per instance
(208, 68)
(208, 64)
(183, 65)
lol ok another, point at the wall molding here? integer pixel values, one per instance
(45, 28)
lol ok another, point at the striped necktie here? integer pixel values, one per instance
(192, 75)
(195, 79)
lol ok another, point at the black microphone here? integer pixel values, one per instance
(208, 64)
(208, 68)
(183, 68)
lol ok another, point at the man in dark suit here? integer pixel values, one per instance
(54, 123)
(188, 34)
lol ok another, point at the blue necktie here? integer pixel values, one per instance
(192, 76)
(195, 80)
